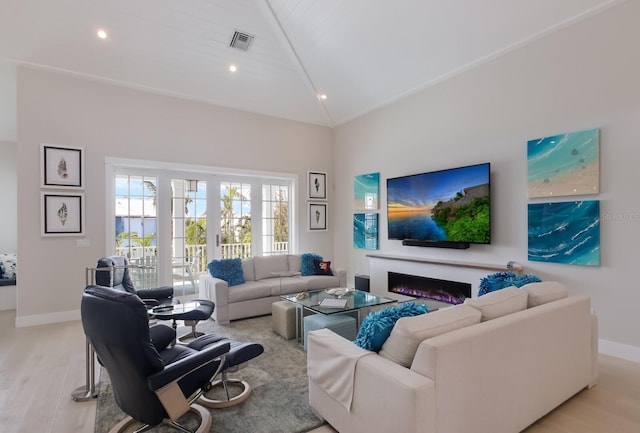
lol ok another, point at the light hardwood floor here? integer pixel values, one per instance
(41, 366)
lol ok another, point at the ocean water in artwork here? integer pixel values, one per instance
(567, 164)
(365, 231)
(565, 232)
(365, 190)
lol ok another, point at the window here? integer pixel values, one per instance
(275, 219)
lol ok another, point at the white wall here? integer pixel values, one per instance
(9, 201)
(110, 121)
(584, 76)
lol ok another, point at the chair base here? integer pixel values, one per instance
(203, 413)
(231, 401)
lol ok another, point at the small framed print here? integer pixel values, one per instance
(62, 214)
(62, 167)
(317, 185)
(317, 216)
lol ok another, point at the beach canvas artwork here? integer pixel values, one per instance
(365, 231)
(366, 189)
(565, 232)
(564, 165)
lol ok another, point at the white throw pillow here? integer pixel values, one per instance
(499, 303)
(543, 292)
(409, 332)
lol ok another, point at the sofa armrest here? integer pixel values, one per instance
(216, 290)
(378, 382)
(342, 276)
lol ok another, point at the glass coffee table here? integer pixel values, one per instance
(333, 301)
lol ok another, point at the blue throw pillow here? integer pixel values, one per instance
(376, 327)
(500, 280)
(229, 270)
(307, 265)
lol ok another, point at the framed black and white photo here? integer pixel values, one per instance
(62, 167)
(62, 214)
(317, 216)
(317, 185)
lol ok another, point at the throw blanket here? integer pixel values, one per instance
(334, 370)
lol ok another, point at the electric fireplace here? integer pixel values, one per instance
(452, 292)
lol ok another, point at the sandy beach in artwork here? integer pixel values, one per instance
(584, 180)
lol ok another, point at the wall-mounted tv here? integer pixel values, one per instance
(446, 208)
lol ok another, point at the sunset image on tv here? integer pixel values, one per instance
(448, 205)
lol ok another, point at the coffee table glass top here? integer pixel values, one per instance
(355, 299)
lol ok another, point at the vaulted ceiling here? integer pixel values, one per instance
(362, 54)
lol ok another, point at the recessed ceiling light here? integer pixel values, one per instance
(102, 34)
(322, 96)
(233, 68)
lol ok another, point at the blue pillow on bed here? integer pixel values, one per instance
(229, 270)
(376, 327)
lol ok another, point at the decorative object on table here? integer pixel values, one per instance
(365, 231)
(565, 232)
(317, 185)
(62, 214)
(500, 280)
(61, 167)
(377, 326)
(565, 164)
(366, 190)
(317, 216)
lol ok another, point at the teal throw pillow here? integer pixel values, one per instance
(229, 270)
(307, 264)
(376, 327)
(500, 280)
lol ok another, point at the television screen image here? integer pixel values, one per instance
(441, 206)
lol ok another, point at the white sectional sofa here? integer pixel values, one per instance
(266, 278)
(493, 365)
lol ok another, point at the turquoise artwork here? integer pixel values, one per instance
(566, 164)
(366, 188)
(365, 231)
(565, 232)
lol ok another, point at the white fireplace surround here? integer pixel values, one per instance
(466, 272)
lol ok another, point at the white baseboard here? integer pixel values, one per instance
(619, 350)
(45, 319)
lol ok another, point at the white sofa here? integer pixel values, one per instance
(497, 366)
(263, 286)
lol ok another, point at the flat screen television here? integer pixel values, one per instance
(446, 208)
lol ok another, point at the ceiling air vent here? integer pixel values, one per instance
(241, 41)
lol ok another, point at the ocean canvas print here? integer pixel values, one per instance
(366, 188)
(365, 231)
(564, 165)
(565, 232)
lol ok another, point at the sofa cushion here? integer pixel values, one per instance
(267, 266)
(543, 292)
(295, 262)
(409, 332)
(499, 303)
(229, 270)
(319, 282)
(323, 267)
(377, 326)
(248, 291)
(247, 269)
(307, 265)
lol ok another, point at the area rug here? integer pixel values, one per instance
(279, 402)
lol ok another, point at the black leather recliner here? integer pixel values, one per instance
(153, 382)
(113, 271)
